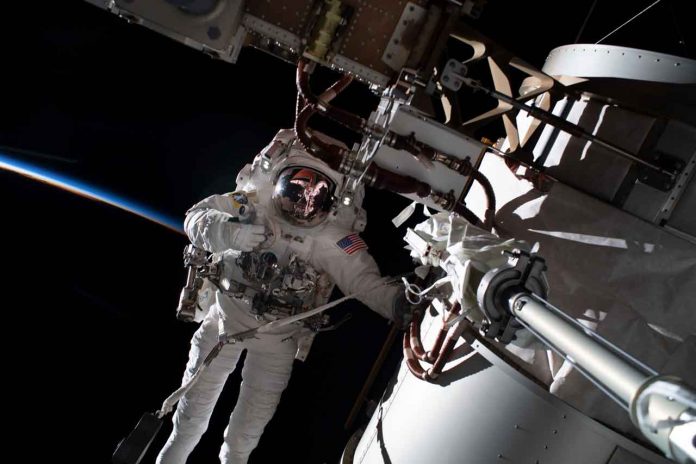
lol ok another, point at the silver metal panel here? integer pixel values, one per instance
(595, 170)
(364, 73)
(396, 52)
(408, 121)
(592, 60)
(272, 31)
(217, 31)
(585, 165)
(484, 411)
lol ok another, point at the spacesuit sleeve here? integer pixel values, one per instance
(210, 224)
(358, 273)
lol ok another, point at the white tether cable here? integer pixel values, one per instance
(174, 398)
(634, 17)
(415, 290)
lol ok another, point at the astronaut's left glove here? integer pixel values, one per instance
(402, 312)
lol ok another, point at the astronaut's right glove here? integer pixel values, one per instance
(402, 312)
(246, 237)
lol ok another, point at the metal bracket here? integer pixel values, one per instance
(280, 35)
(198, 267)
(661, 180)
(396, 52)
(525, 272)
(452, 75)
(682, 181)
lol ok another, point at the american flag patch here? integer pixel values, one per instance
(351, 243)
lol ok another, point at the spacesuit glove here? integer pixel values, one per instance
(247, 237)
(402, 312)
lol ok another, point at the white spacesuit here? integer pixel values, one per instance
(282, 260)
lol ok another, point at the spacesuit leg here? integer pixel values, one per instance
(265, 375)
(195, 408)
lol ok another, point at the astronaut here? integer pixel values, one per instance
(283, 259)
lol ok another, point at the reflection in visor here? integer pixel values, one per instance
(303, 195)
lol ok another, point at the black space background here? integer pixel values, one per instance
(89, 291)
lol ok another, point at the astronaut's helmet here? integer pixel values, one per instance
(303, 196)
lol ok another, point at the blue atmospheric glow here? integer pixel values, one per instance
(66, 183)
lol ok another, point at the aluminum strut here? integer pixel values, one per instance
(663, 408)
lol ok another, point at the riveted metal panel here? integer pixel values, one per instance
(592, 60)
(215, 30)
(367, 35)
(482, 410)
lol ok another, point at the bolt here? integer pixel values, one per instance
(214, 32)
(512, 254)
(519, 305)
